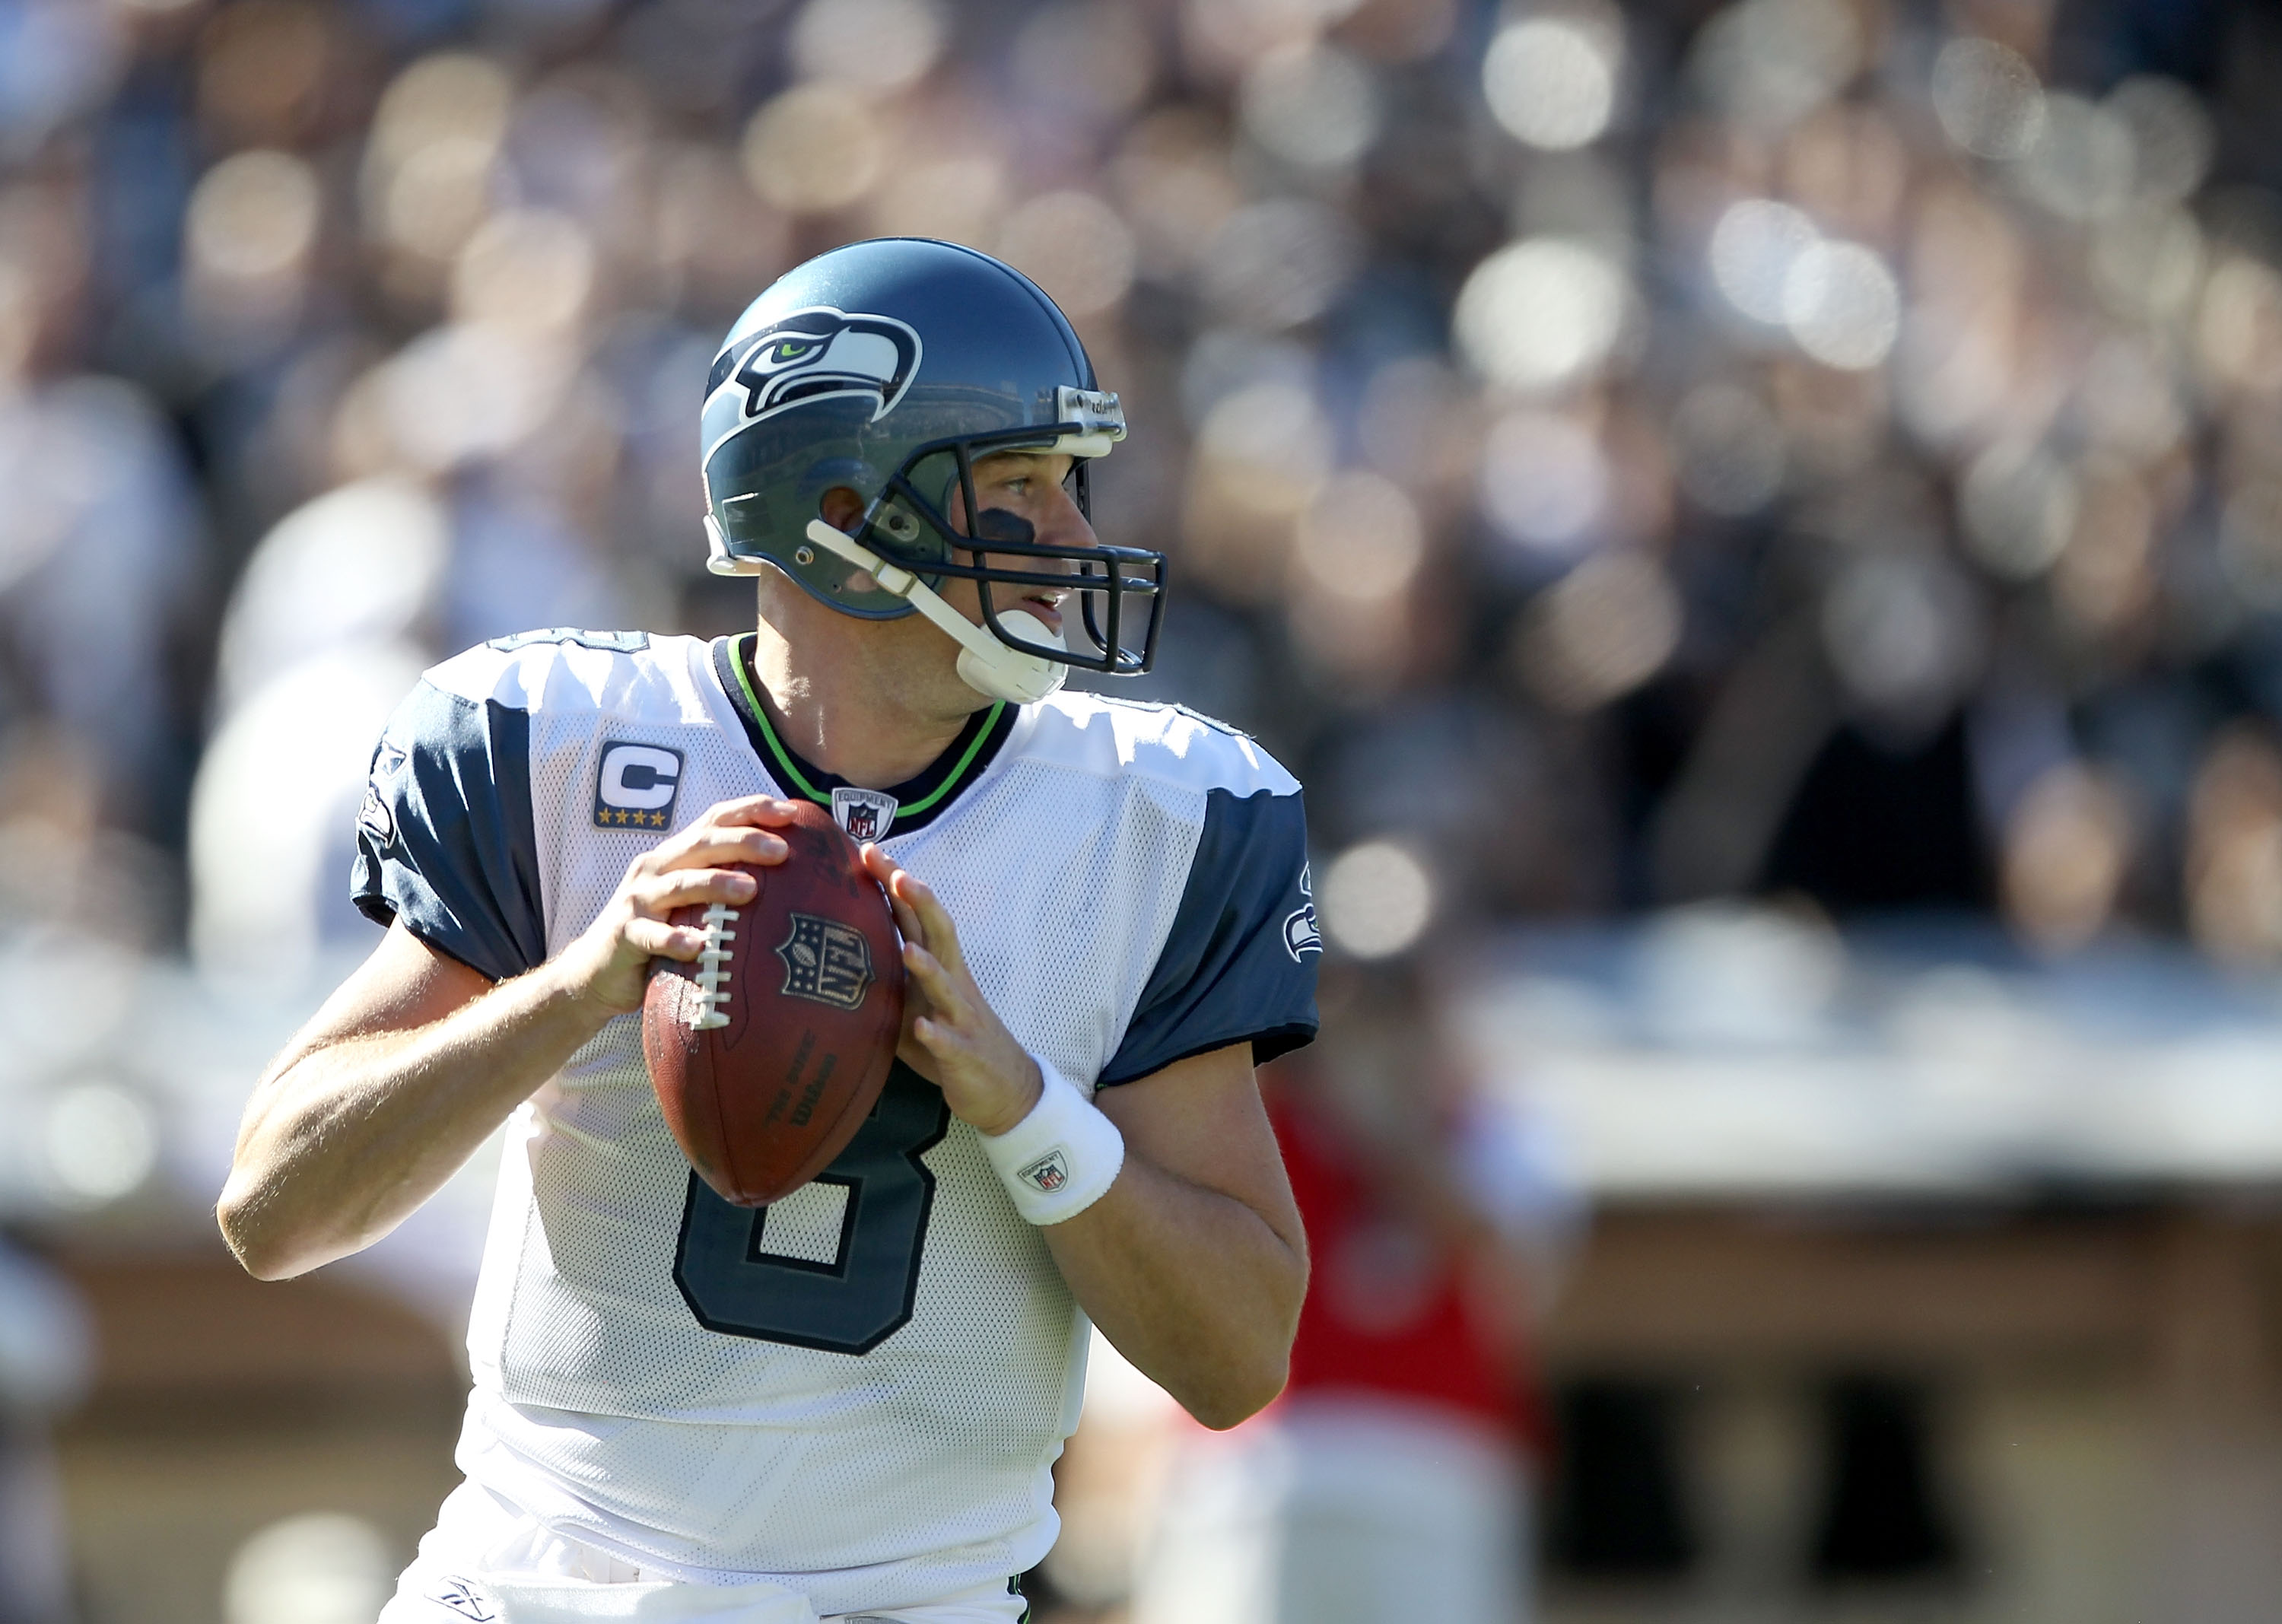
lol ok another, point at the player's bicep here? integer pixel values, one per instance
(1200, 1120)
(405, 985)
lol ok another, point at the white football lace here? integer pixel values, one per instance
(713, 967)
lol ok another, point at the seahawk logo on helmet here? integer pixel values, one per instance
(820, 353)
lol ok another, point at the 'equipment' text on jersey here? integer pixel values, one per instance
(860, 1390)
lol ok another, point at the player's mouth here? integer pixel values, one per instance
(1046, 603)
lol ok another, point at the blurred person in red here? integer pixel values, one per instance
(1392, 1479)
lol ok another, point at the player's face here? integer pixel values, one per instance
(1036, 488)
(909, 657)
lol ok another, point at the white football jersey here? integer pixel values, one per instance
(861, 1389)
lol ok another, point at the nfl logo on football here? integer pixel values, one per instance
(865, 813)
(825, 961)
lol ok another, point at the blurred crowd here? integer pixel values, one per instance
(1617, 456)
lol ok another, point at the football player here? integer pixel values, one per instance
(845, 1404)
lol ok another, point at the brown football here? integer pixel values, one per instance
(768, 1052)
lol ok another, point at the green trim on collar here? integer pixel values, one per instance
(957, 773)
(760, 714)
(989, 729)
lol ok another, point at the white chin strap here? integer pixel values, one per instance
(985, 665)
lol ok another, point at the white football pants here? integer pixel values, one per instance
(487, 1562)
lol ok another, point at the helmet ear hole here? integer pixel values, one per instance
(839, 508)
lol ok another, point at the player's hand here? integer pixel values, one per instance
(951, 1035)
(610, 963)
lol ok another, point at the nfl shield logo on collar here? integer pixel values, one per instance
(865, 813)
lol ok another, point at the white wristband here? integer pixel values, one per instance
(1061, 1158)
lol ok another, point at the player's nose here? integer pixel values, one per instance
(1063, 523)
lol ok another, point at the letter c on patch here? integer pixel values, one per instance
(639, 777)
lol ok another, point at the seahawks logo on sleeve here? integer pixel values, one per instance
(1301, 933)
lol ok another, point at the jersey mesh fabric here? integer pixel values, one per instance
(806, 1224)
(921, 1466)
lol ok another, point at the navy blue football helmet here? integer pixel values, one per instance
(890, 366)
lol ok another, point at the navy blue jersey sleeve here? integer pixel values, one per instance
(1239, 963)
(445, 838)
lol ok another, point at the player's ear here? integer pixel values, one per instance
(841, 508)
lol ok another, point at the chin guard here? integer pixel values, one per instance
(720, 561)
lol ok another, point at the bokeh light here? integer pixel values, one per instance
(101, 1141)
(2148, 264)
(2020, 508)
(1539, 314)
(1376, 899)
(2172, 143)
(1903, 633)
(1545, 480)
(2067, 847)
(815, 148)
(1074, 246)
(1599, 633)
(1841, 304)
(878, 45)
(530, 269)
(1988, 98)
(1753, 250)
(1314, 105)
(2238, 327)
(254, 215)
(1360, 540)
(319, 1567)
(2234, 849)
(1277, 264)
(1551, 81)
(1769, 63)
(2082, 163)
(1094, 57)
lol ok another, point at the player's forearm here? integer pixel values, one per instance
(343, 1142)
(1194, 1287)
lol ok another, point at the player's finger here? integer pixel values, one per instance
(944, 995)
(680, 888)
(763, 810)
(946, 1043)
(661, 940)
(711, 848)
(883, 870)
(906, 922)
(941, 934)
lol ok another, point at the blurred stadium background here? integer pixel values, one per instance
(1759, 524)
